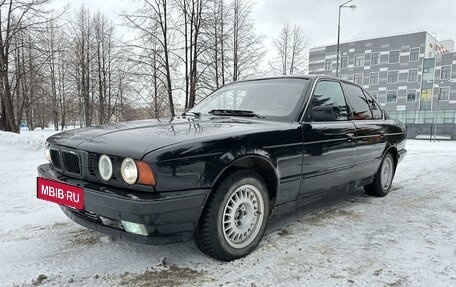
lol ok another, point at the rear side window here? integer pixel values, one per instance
(375, 108)
(358, 102)
(329, 93)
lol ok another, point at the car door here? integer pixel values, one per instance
(371, 131)
(328, 147)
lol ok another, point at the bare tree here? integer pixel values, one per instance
(156, 13)
(291, 47)
(247, 48)
(15, 16)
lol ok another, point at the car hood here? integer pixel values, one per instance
(135, 139)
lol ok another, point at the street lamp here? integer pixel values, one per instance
(353, 7)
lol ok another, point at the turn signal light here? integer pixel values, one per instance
(145, 174)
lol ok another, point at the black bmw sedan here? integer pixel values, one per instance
(216, 173)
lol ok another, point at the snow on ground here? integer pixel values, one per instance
(405, 239)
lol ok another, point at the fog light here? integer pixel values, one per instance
(134, 228)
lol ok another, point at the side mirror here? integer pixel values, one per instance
(325, 113)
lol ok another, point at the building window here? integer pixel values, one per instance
(391, 96)
(444, 93)
(375, 59)
(373, 78)
(344, 62)
(411, 96)
(328, 64)
(358, 79)
(445, 72)
(359, 60)
(393, 77)
(394, 56)
(413, 75)
(414, 54)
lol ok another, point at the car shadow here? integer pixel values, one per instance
(329, 205)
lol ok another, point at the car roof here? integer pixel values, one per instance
(300, 76)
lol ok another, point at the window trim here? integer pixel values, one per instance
(387, 77)
(378, 78)
(449, 91)
(354, 60)
(441, 71)
(406, 96)
(375, 98)
(386, 96)
(389, 57)
(410, 54)
(378, 63)
(408, 75)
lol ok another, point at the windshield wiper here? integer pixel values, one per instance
(239, 113)
(195, 114)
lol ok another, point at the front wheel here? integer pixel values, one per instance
(383, 178)
(235, 217)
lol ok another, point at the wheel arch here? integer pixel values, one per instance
(394, 152)
(261, 165)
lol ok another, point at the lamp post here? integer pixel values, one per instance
(353, 7)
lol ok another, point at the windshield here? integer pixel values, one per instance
(272, 98)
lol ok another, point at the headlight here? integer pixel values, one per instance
(105, 167)
(47, 151)
(129, 171)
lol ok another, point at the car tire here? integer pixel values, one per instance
(235, 216)
(383, 178)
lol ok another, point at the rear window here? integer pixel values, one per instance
(358, 102)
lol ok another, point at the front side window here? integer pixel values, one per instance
(358, 79)
(373, 78)
(358, 102)
(445, 72)
(328, 64)
(414, 54)
(270, 98)
(444, 93)
(391, 96)
(375, 59)
(374, 95)
(394, 57)
(327, 94)
(413, 75)
(411, 96)
(344, 62)
(393, 77)
(359, 60)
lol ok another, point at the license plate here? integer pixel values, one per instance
(60, 193)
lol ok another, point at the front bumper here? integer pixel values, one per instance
(168, 217)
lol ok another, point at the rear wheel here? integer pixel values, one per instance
(235, 216)
(383, 178)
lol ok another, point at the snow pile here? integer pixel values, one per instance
(26, 139)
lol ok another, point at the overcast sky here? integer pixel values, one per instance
(372, 18)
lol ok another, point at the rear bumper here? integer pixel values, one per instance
(168, 217)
